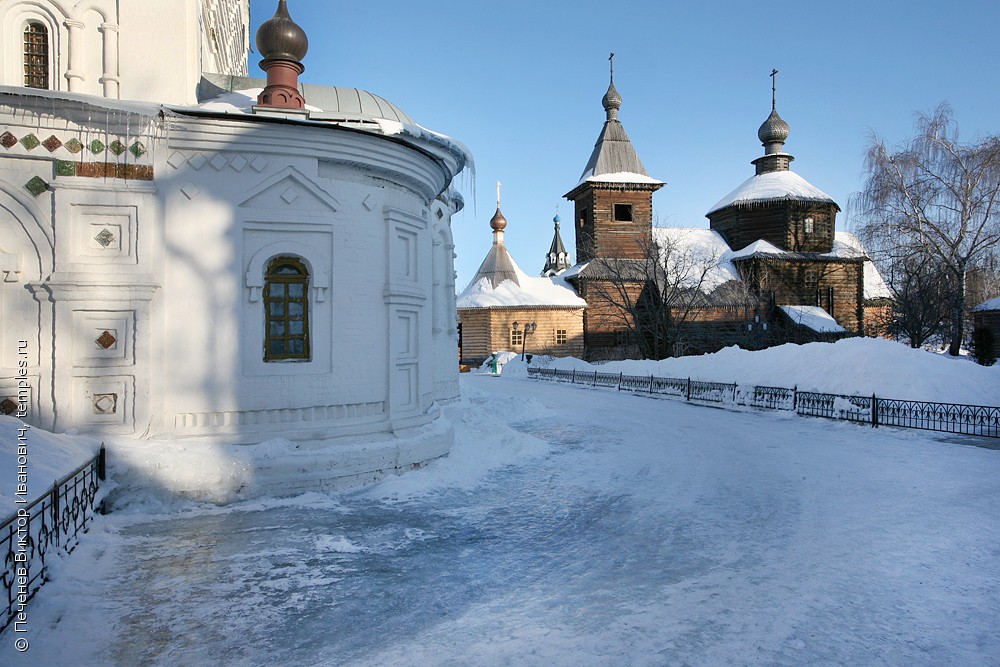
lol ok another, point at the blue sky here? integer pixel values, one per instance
(520, 83)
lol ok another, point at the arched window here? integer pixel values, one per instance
(36, 55)
(286, 310)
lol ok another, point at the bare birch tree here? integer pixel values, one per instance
(654, 297)
(933, 197)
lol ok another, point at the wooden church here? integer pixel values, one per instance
(786, 274)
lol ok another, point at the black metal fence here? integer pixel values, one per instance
(948, 417)
(43, 527)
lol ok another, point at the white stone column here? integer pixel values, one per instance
(74, 68)
(110, 77)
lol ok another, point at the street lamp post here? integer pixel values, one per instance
(529, 328)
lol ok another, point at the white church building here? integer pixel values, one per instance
(189, 252)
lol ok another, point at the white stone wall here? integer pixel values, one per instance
(135, 272)
(129, 49)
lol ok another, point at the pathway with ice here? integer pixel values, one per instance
(647, 532)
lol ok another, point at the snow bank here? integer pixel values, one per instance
(484, 442)
(853, 366)
(49, 458)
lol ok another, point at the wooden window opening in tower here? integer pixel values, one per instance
(36, 56)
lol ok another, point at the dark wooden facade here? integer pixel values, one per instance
(600, 233)
(785, 224)
(988, 319)
(835, 285)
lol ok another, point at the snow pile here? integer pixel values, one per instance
(813, 317)
(48, 457)
(772, 186)
(853, 366)
(484, 442)
(163, 476)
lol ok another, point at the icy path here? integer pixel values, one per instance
(647, 532)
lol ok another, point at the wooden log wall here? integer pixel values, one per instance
(598, 234)
(780, 223)
(487, 330)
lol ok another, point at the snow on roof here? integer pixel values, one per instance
(992, 304)
(527, 291)
(239, 102)
(621, 177)
(846, 244)
(813, 317)
(696, 247)
(772, 186)
(758, 247)
(707, 243)
(352, 107)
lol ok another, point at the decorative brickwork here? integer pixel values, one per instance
(30, 142)
(36, 186)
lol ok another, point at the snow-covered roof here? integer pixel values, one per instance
(772, 186)
(695, 247)
(622, 177)
(614, 159)
(813, 317)
(846, 244)
(513, 288)
(351, 107)
(706, 243)
(991, 304)
(758, 247)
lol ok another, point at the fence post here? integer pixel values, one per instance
(55, 511)
(734, 392)
(595, 379)
(650, 384)
(874, 412)
(572, 379)
(795, 398)
(620, 375)
(688, 397)
(102, 464)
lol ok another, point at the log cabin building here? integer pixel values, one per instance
(504, 309)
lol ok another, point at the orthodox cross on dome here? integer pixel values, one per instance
(498, 193)
(774, 82)
(611, 60)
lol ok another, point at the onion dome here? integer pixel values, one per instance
(280, 38)
(498, 222)
(557, 220)
(773, 130)
(612, 101)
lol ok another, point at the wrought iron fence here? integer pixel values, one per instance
(50, 523)
(947, 417)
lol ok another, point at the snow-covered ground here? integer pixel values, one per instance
(569, 526)
(853, 366)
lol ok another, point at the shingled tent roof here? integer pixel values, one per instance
(614, 158)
